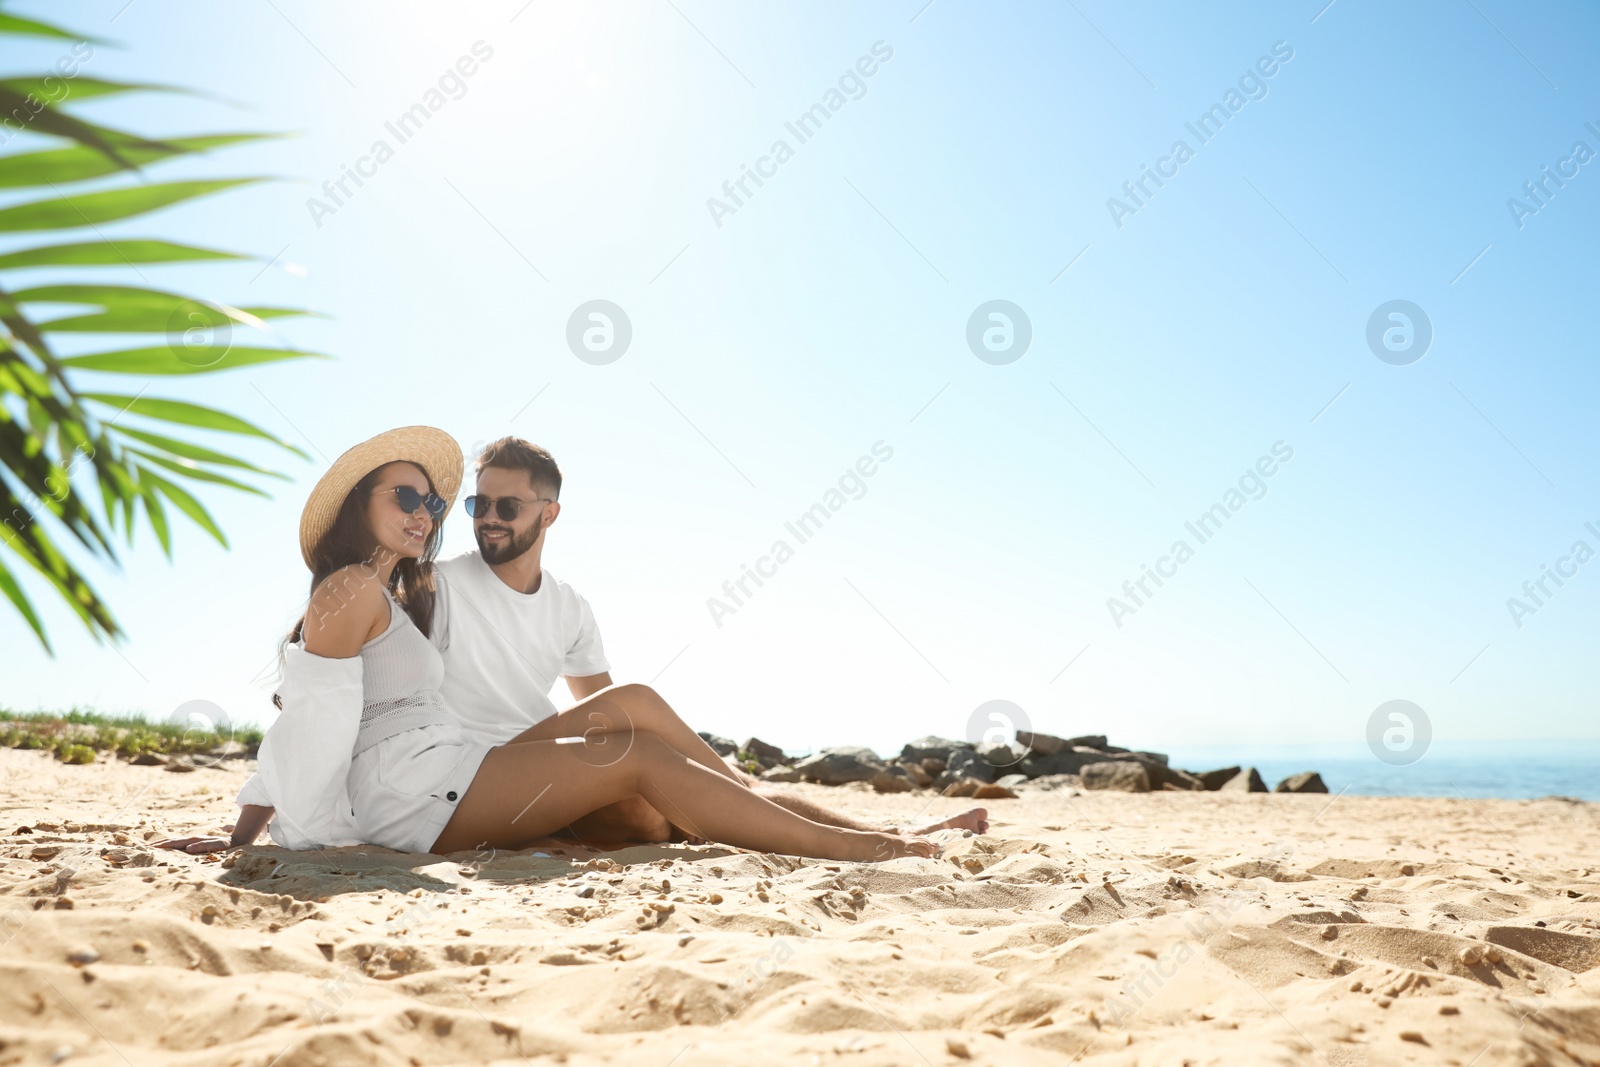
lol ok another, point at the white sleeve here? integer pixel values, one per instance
(304, 759)
(439, 631)
(254, 791)
(586, 656)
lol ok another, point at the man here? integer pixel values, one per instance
(507, 628)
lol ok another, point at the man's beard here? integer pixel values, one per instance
(510, 549)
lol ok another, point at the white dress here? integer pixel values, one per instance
(365, 750)
(412, 763)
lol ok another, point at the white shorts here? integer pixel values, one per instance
(404, 789)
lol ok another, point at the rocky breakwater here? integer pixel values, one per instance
(989, 770)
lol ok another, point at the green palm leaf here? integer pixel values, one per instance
(187, 414)
(40, 116)
(67, 461)
(185, 503)
(80, 87)
(81, 163)
(133, 309)
(189, 451)
(109, 253)
(193, 470)
(19, 600)
(183, 359)
(32, 28)
(92, 209)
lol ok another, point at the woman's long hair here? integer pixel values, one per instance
(350, 541)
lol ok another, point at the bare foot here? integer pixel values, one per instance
(872, 847)
(974, 819)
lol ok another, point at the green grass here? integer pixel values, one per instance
(77, 736)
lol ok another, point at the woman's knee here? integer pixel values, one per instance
(635, 694)
(642, 705)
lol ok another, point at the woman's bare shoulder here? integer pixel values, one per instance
(347, 609)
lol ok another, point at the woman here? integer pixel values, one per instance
(365, 751)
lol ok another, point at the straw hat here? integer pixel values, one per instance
(435, 451)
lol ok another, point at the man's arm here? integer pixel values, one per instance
(587, 685)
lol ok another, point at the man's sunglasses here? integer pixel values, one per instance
(410, 500)
(507, 507)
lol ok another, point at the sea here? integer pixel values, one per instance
(1511, 769)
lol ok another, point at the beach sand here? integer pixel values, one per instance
(1098, 928)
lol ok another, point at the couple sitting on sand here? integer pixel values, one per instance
(415, 707)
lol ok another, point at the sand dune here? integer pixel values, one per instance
(1153, 929)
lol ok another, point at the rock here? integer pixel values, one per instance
(782, 774)
(1011, 781)
(892, 780)
(82, 957)
(1176, 779)
(1305, 782)
(933, 765)
(1064, 782)
(1067, 761)
(1246, 781)
(1157, 770)
(1215, 780)
(765, 754)
(1001, 754)
(918, 774)
(993, 791)
(1040, 744)
(148, 759)
(836, 766)
(964, 763)
(935, 747)
(720, 745)
(1049, 745)
(1129, 776)
(964, 787)
(1158, 757)
(180, 764)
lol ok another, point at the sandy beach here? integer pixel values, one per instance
(1165, 928)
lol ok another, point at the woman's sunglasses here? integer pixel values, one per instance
(410, 500)
(507, 507)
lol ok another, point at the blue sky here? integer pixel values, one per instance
(829, 312)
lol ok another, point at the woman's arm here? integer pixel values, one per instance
(253, 818)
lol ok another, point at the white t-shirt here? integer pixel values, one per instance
(503, 650)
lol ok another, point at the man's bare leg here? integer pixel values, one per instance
(631, 820)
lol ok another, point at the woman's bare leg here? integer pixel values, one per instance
(525, 790)
(624, 709)
(620, 708)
